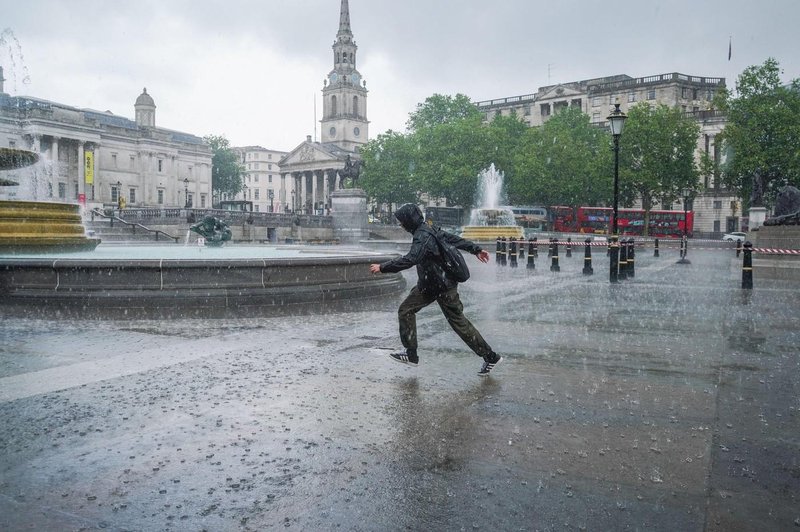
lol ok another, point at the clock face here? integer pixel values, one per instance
(355, 79)
(356, 131)
(332, 132)
(334, 77)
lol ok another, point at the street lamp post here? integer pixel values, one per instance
(686, 193)
(617, 121)
(271, 204)
(185, 192)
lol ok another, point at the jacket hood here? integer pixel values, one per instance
(410, 217)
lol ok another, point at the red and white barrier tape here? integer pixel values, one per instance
(545, 244)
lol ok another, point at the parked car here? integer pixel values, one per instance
(733, 237)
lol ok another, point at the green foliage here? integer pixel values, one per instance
(388, 172)
(763, 131)
(440, 109)
(226, 170)
(564, 162)
(657, 154)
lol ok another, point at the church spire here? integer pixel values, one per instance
(344, 22)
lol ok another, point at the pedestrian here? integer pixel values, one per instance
(433, 284)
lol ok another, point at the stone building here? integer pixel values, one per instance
(94, 157)
(262, 182)
(716, 209)
(315, 169)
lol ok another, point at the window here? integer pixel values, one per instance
(651, 94)
(355, 105)
(131, 196)
(631, 97)
(257, 209)
(76, 191)
(717, 204)
(114, 193)
(596, 116)
(12, 143)
(202, 201)
(685, 92)
(257, 165)
(191, 200)
(270, 178)
(527, 110)
(612, 99)
(92, 192)
(545, 109)
(161, 165)
(269, 156)
(257, 194)
(49, 190)
(161, 196)
(597, 101)
(269, 166)
(694, 94)
(716, 226)
(255, 178)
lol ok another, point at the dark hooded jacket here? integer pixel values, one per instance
(424, 252)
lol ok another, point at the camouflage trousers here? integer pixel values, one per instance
(453, 310)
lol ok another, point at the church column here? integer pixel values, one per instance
(314, 191)
(301, 195)
(326, 190)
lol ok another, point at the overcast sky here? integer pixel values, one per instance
(252, 70)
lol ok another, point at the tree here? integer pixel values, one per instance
(388, 172)
(563, 162)
(762, 133)
(440, 109)
(657, 155)
(226, 170)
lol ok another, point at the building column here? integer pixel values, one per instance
(81, 170)
(326, 190)
(314, 191)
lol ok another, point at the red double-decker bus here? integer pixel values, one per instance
(562, 219)
(669, 224)
(599, 220)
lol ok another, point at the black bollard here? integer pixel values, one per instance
(521, 249)
(497, 252)
(655, 248)
(512, 252)
(623, 259)
(531, 254)
(738, 247)
(613, 251)
(535, 247)
(587, 258)
(684, 251)
(554, 267)
(569, 246)
(504, 251)
(747, 266)
(631, 256)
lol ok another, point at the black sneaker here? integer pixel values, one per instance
(489, 362)
(405, 358)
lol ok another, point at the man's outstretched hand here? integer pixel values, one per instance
(483, 256)
(375, 268)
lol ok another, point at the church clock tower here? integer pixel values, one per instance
(344, 96)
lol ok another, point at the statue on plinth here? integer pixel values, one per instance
(213, 230)
(352, 170)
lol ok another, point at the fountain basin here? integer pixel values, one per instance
(38, 226)
(189, 286)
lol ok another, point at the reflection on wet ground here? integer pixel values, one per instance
(669, 402)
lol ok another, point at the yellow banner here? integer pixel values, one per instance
(88, 171)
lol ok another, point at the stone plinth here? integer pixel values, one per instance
(785, 267)
(349, 213)
(757, 216)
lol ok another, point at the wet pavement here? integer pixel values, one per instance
(667, 402)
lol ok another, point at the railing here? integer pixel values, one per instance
(133, 225)
(505, 101)
(658, 78)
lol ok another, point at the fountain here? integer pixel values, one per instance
(37, 226)
(490, 221)
(48, 264)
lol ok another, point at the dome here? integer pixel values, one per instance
(145, 99)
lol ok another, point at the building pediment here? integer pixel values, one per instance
(560, 92)
(308, 153)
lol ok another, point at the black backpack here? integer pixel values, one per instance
(453, 263)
